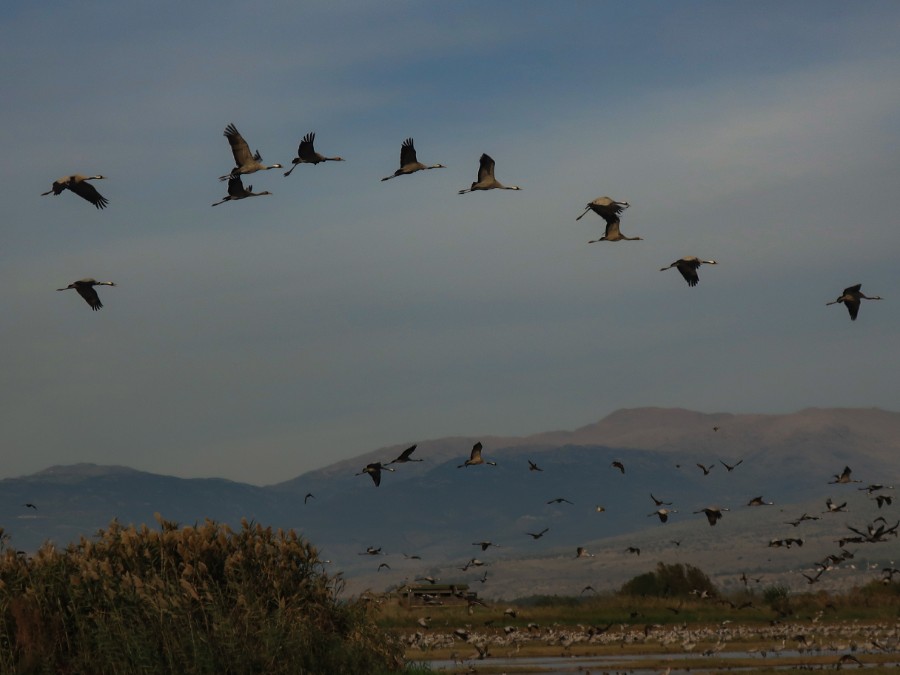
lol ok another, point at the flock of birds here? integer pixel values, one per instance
(814, 641)
(247, 162)
(878, 531)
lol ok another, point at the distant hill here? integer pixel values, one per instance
(434, 510)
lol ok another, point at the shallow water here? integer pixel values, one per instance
(617, 664)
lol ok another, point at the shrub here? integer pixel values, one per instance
(670, 581)
(202, 599)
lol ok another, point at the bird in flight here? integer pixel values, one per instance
(706, 469)
(236, 191)
(309, 495)
(538, 535)
(29, 505)
(844, 477)
(85, 288)
(833, 507)
(374, 470)
(244, 161)
(475, 457)
(560, 500)
(758, 501)
(533, 467)
(306, 154)
(663, 514)
(713, 513)
(618, 465)
(405, 456)
(409, 163)
(485, 544)
(486, 180)
(79, 185)
(851, 298)
(610, 210)
(688, 267)
(731, 467)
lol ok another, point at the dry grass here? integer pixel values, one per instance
(202, 599)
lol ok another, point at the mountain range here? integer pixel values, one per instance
(426, 516)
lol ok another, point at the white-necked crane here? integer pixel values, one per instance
(475, 458)
(610, 210)
(486, 180)
(79, 185)
(236, 190)
(85, 288)
(409, 163)
(244, 160)
(851, 298)
(688, 266)
(306, 154)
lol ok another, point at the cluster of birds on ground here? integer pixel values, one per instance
(247, 162)
(875, 532)
(841, 642)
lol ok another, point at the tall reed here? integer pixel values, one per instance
(202, 599)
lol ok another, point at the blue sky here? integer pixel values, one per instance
(271, 336)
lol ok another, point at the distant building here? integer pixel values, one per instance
(437, 594)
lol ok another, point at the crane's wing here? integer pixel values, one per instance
(90, 296)
(485, 167)
(236, 187)
(239, 147)
(408, 153)
(476, 451)
(87, 191)
(689, 272)
(306, 151)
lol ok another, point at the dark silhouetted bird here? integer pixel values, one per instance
(851, 298)
(688, 267)
(78, 184)
(374, 470)
(405, 456)
(85, 288)
(306, 154)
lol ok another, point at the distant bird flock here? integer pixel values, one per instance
(874, 532)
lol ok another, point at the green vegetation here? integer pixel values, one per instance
(670, 581)
(189, 600)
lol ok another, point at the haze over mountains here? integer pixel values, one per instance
(434, 510)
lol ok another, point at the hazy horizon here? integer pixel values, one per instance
(268, 337)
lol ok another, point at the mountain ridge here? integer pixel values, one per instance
(435, 510)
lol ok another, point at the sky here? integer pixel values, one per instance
(275, 335)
